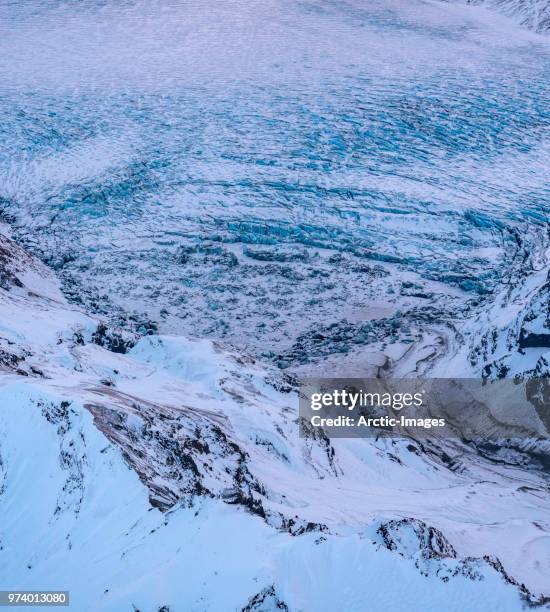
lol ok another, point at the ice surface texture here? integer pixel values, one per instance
(251, 171)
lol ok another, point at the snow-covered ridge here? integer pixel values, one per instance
(532, 14)
(161, 447)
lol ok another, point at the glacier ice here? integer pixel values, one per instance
(200, 201)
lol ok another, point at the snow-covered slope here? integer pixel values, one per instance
(533, 14)
(169, 472)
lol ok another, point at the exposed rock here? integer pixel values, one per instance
(266, 601)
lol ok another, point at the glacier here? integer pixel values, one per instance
(297, 189)
(201, 202)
